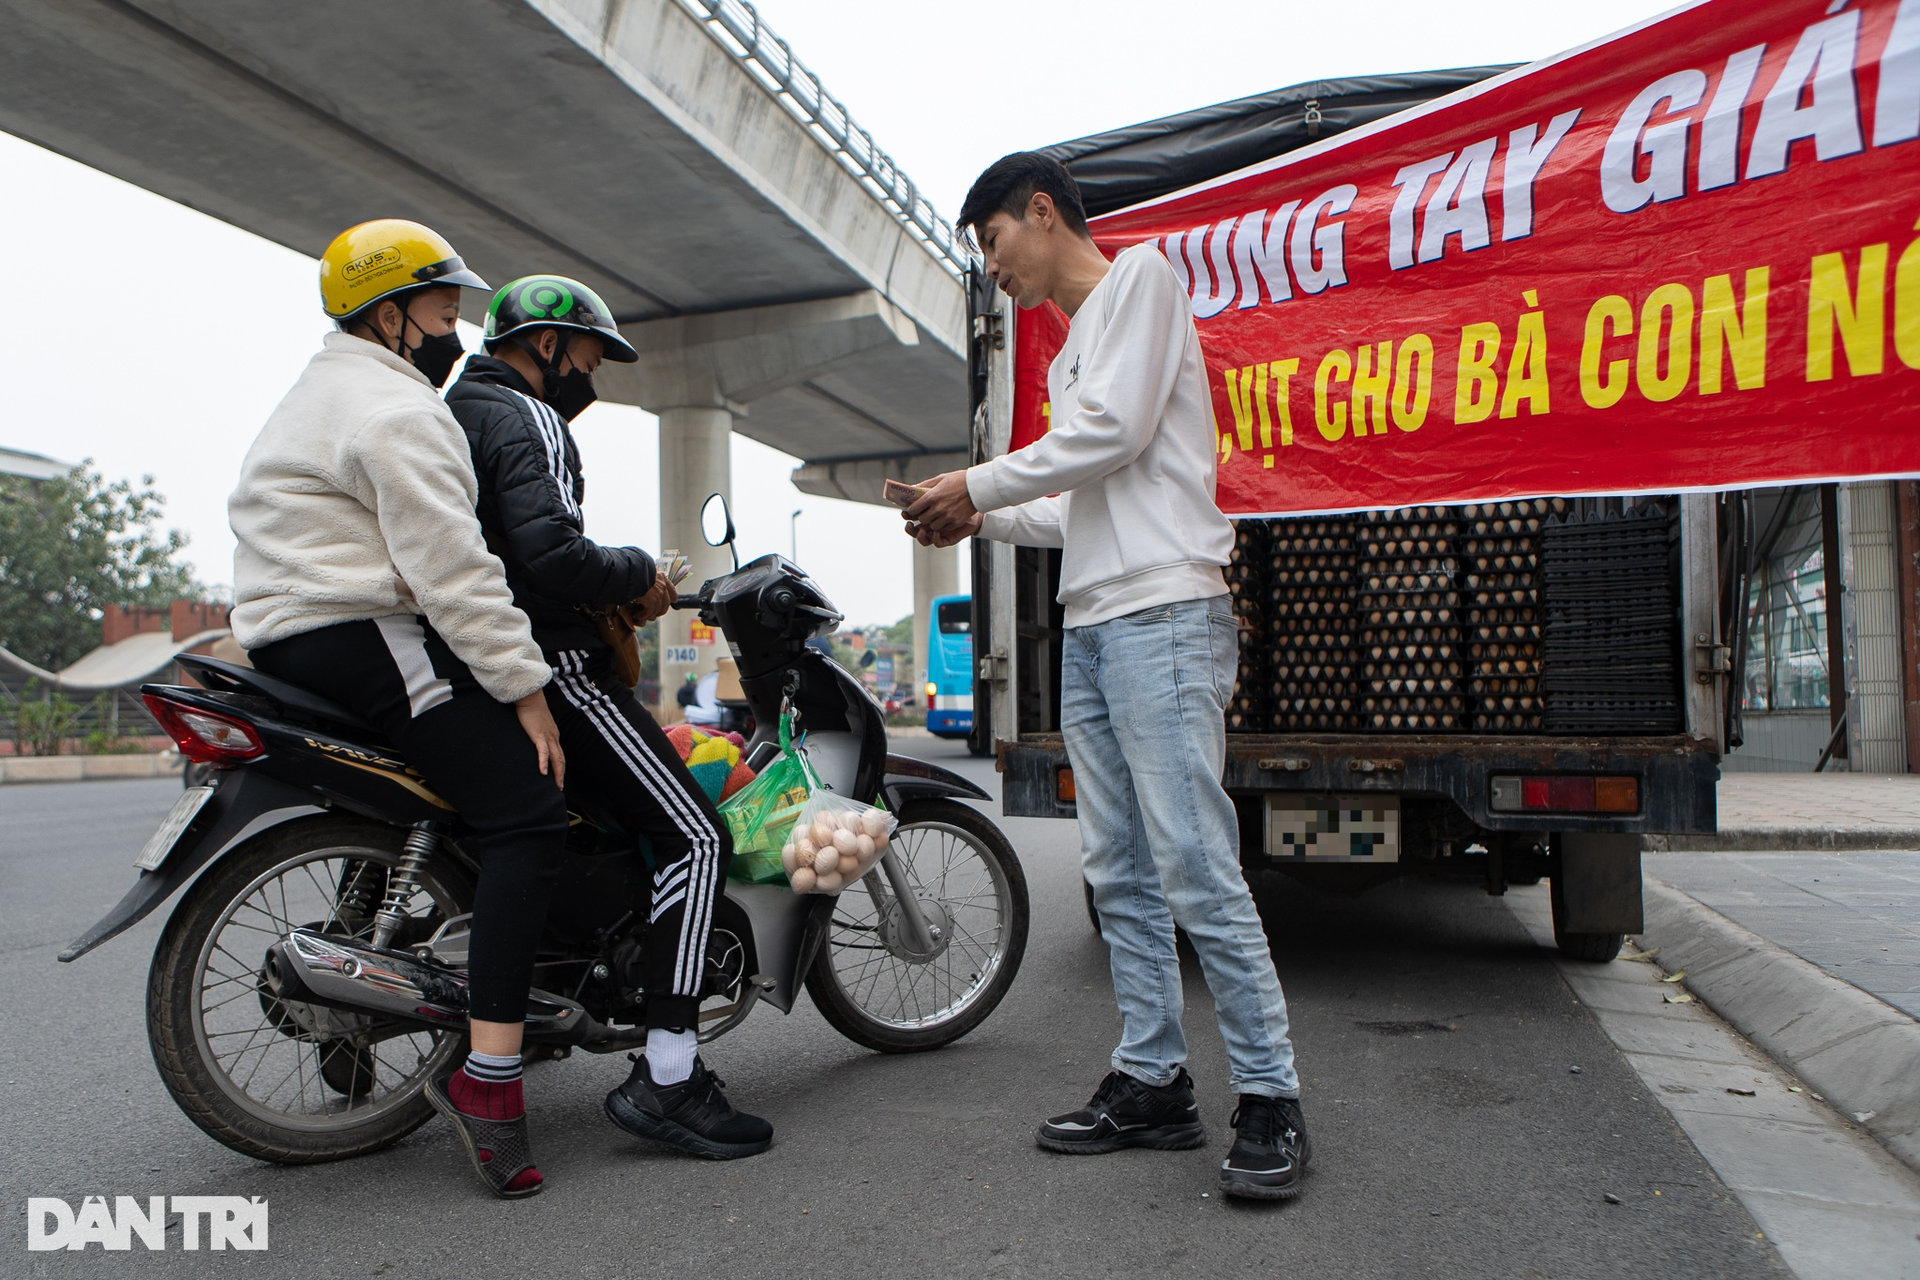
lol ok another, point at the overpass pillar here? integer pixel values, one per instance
(936, 572)
(696, 452)
(698, 373)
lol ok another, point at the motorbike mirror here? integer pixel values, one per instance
(716, 522)
(866, 659)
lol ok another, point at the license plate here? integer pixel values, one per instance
(185, 810)
(1333, 828)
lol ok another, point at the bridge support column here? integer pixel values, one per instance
(696, 452)
(936, 572)
(698, 373)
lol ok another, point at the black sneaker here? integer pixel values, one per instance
(1270, 1149)
(693, 1115)
(1126, 1112)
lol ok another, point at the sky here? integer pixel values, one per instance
(142, 386)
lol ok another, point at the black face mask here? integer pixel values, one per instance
(571, 393)
(436, 355)
(567, 393)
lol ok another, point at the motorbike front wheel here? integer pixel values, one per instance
(283, 1080)
(870, 980)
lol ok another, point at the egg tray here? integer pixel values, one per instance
(1409, 722)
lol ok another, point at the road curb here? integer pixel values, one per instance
(1787, 840)
(23, 769)
(1860, 1053)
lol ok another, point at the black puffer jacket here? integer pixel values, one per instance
(530, 493)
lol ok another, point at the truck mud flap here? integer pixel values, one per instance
(1599, 875)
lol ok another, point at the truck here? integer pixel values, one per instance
(1505, 690)
(950, 667)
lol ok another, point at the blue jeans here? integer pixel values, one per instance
(1143, 711)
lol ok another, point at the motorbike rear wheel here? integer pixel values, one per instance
(281, 1080)
(869, 982)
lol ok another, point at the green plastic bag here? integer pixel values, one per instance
(760, 814)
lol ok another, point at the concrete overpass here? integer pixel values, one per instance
(780, 276)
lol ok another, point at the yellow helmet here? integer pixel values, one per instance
(377, 259)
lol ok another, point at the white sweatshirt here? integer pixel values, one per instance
(1131, 453)
(357, 501)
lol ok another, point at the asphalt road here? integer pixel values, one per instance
(1451, 1137)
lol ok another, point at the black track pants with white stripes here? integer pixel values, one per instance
(615, 747)
(398, 673)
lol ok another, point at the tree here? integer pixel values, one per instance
(73, 545)
(900, 634)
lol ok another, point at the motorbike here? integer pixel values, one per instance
(312, 977)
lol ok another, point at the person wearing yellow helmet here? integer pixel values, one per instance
(390, 279)
(361, 573)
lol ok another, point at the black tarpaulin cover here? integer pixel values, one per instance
(1139, 162)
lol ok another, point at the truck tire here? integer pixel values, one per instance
(1598, 948)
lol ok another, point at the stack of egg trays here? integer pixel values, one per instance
(1412, 658)
(1607, 656)
(1250, 709)
(1312, 635)
(1500, 589)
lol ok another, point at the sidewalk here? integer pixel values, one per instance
(1855, 915)
(1803, 811)
(1799, 923)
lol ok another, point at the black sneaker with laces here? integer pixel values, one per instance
(1126, 1112)
(1270, 1149)
(693, 1115)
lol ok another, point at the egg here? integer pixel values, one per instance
(843, 841)
(822, 831)
(828, 859)
(867, 849)
(874, 823)
(831, 882)
(880, 843)
(789, 859)
(803, 880)
(805, 847)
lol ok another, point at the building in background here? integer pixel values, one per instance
(34, 466)
(139, 646)
(1837, 687)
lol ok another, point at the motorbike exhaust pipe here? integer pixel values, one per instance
(312, 968)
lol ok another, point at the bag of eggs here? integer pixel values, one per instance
(834, 842)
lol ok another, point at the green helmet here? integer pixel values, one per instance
(554, 302)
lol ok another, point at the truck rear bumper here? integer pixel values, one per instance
(1677, 775)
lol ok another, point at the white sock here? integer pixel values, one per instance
(670, 1054)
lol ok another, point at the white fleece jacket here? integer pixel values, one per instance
(1131, 453)
(357, 501)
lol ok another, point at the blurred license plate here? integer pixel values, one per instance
(1333, 828)
(185, 810)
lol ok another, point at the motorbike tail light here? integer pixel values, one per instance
(932, 690)
(205, 737)
(1564, 793)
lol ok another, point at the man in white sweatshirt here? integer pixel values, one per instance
(1149, 658)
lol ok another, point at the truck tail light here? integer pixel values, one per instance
(203, 736)
(1564, 793)
(1063, 786)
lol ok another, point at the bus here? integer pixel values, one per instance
(950, 668)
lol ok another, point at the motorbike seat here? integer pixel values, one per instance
(290, 698)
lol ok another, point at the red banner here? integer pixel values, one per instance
(1684, 257)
